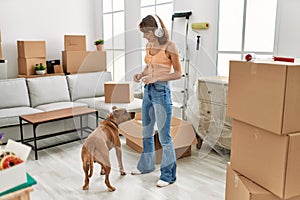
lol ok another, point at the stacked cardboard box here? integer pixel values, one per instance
(76, 59)
(182, 133)
(263, 100)
(30, 53)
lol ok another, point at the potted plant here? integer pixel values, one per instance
(40, 69)
(99, 44)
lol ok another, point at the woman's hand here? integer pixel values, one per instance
(137, 77)
(148, 79)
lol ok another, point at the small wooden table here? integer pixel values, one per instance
(51, 116)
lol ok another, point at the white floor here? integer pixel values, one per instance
(59, 176)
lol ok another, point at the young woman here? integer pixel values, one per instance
(163, 65)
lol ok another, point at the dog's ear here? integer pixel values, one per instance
(114, 107)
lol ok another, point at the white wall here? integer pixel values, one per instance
(50, 20)
(133, 43)
(45, 20)
(202, 61)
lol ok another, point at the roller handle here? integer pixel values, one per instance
(182, 14)
(198, 42)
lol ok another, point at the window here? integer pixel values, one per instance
(114, 41)
(245, 26)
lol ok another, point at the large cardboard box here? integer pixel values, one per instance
(182, 133)
(75, 42)
(269, 160)
(26, 66)
(83, 61)
(15, 175)
(265, 94)
(118, 92)
(239, 187)
(31, 49)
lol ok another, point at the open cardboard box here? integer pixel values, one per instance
(182, 132)
(15, 175)
(239, 187)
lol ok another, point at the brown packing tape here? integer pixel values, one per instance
(253, 68)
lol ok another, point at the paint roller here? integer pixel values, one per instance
(196, 27)
(200, 26)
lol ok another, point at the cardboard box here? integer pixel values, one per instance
(265, 94)
(272, 161)
(58, 69)
(239, 187)
(15, 175)
(31, 49)
(118, 92)
(180, 152)
(75, 42)
(182, 133)
(83, 61)
(26, 66)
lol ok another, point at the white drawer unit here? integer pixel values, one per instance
(214, 124)
(213, 89)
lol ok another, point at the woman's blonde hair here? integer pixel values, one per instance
(149, 24)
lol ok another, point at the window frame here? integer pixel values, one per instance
(116, 53)
(242, 52)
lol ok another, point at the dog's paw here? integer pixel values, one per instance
(102, 172)
(85, 187)
(111, 189)
(123, 173)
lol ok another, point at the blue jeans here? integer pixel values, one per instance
(157, 107)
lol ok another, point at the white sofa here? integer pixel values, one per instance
(22, 96)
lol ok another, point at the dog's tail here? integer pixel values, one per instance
(91, 166)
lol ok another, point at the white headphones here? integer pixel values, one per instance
(159, 32)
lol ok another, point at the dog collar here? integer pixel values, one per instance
(112, 122)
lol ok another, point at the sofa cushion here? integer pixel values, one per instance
(10, 116)
(87, 84)
(48, 89)
(106, 108)
(60, 105)
(14, 93)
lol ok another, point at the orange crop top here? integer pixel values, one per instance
(159, 63)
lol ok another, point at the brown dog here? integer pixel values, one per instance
(98, 144)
